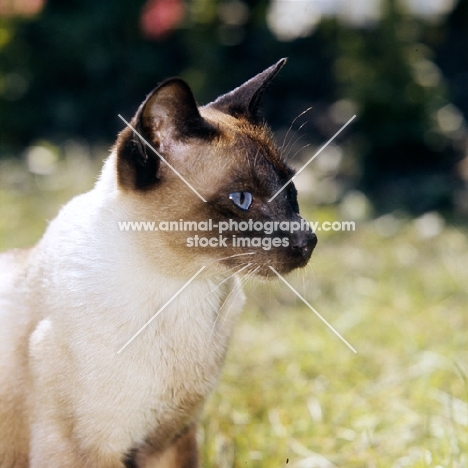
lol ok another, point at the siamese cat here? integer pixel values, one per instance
(74, 392)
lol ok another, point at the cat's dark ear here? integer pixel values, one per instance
(245, 100)
(169, 114)
(171, 110)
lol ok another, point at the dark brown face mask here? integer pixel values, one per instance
(227, 155)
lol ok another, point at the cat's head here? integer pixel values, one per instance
(220, 165)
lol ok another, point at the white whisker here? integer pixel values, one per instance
(292, 124)
(237, 288)
(296, 141)
(228, 278)
(300, 149)
(235, 255)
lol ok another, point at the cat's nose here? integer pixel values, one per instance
(304, 243)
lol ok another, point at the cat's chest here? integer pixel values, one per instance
(157, 384)
(163, 390)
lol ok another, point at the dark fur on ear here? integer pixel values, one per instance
(168, 112)
(173, 105)
(245, 100)
(137, 165)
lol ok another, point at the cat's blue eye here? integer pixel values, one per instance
(242, 200)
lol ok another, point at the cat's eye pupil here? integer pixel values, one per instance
(242, 200)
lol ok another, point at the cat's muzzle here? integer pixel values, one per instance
(301, 247)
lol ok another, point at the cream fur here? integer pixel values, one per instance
(68, 305)
(67, 399)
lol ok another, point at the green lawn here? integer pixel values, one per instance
(291, 392)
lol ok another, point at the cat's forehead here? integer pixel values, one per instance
(254, 142)
(227, 125)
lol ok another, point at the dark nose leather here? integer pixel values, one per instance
(304, 243)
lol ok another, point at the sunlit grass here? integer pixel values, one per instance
(292, 394)
(292, 391)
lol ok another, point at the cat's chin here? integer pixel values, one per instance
(270, 264)
(266, 271)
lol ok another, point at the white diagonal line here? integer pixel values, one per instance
(161, 309)
(158, 154)
(312, 158)
(313, 310)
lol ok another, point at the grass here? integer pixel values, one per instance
(292, 394)
(292, 391)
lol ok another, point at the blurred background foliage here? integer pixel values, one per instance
(395, 288)
(67, 69)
